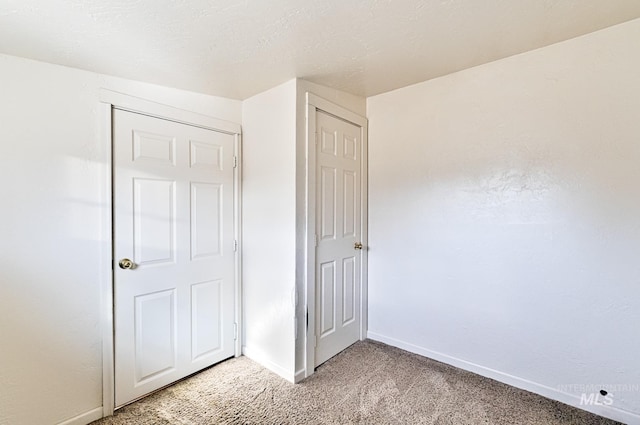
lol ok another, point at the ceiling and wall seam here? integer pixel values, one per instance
(237, 49)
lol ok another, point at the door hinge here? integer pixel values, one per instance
(235, 162)
(307, 320)
(235, 331)
(315, 240)
(316, 138)
(315, 340)
(235, 246)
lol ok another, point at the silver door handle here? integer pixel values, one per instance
(358, 245)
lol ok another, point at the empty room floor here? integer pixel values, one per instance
(369, 383)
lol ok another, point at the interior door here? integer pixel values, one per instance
(339, 231)
(174, 251)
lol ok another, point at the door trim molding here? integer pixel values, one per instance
(110, 100)
(159, 110)
(315, 103)
(106, 263)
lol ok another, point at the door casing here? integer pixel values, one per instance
(110, 100)
(315, 103)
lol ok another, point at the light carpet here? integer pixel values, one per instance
(369, 383)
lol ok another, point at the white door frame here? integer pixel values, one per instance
(314, 104)
(110, 100)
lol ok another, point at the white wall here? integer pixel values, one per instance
(505, 218)
(269, 227)
(52, 166)
(348, 101)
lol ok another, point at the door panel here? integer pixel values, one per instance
(328, 203)
(173, 217)
(155, 334)
(206, 306)
(206, 220)
(327, 295)
(154, 221)
(339, 227)
(154, 148)
(349, 207)
(349, 290)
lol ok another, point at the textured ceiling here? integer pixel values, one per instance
(236, 48)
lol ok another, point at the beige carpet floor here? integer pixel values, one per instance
(369, 383)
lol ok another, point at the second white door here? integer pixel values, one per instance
(174, 277)
(339, 235)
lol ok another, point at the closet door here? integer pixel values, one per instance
(174, 251)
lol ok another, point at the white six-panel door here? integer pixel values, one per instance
(338, 232)
(174, 219)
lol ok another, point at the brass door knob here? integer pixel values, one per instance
(358, 245)
(126, 264)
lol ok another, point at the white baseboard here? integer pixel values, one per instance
(259, 357)
(543, 390)
(84, 418)
(299, 376)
